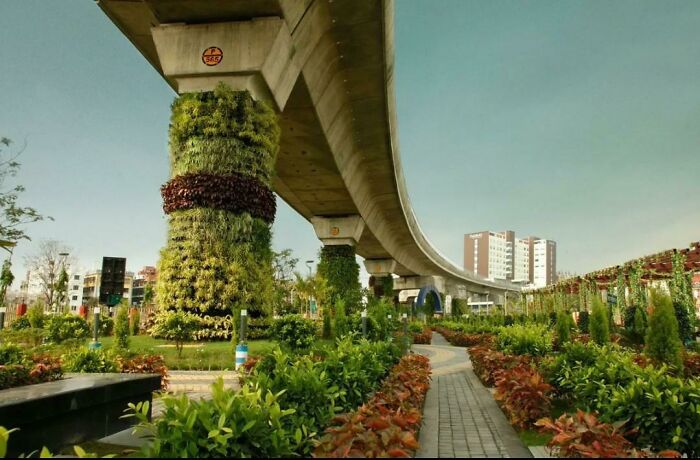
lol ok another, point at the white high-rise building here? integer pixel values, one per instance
(75, 293)
(543, 263)
(502, 256)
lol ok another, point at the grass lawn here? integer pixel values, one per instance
(533, 438)
(195, 355)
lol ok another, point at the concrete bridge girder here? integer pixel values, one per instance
(418, 282)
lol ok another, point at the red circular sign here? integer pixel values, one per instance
(212, 56)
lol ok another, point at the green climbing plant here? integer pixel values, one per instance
(337, 265)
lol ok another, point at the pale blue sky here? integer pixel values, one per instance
(572, 120)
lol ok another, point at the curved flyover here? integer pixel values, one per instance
(332, 80)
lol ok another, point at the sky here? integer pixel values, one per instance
(576, 121)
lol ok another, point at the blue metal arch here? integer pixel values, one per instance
(423, 293)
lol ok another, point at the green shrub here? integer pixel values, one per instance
(598, 324)
(21, 323)
(357, 368)
(533, 340)
(583, 321)
(663, 344)
(564, 326)
(11, 354)
(121, 328)
(662, 408)
(259, 328)
(85, 360)
(26, 338)
(374, 331)
(302, 385)
(340, 322)
(295, 332)
(135, 322)
(36, 316)
(591, 385)
(415, 327)
(176, 326)
(105, 326)
(327, 332)
(635, 323)
(235, 424)
(66, 326)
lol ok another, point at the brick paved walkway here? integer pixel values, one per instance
(461, 418)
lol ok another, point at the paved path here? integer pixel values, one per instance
(461, 418)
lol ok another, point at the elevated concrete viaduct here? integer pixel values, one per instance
(327, 66)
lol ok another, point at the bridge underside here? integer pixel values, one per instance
(339, 146)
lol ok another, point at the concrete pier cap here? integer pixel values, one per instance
(380, 267)
(333, 231)
(255, 55)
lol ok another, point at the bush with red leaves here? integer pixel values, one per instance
(460, 339)
(487, 363)
(145, 364)
(691, 365)
(237, 193)
(424, 338)
(583, 436)
(524, 395)
(386, 425)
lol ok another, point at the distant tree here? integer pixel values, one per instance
(13, 217)
(283, 265)
(663, 343)
(6, 279)
(46, 266)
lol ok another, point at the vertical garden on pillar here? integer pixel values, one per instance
(338, 266)
(220, 204)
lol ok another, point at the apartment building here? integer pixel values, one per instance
(92, 281)
(503, 256)
(497, 256)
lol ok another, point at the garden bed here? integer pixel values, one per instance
(574, 396)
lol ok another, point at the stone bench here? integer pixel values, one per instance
(70, 411)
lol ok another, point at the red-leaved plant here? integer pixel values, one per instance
(424, 338)
(487, 362)
(145, 364)
(386, 425)
(584, 436)
(524, 395)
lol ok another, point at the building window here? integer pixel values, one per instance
(75, 297)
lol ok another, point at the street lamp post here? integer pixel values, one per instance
(95, 344)
(308, 265)
(242, 347)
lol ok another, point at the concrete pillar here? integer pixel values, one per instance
(380, 267)
(220, 208)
